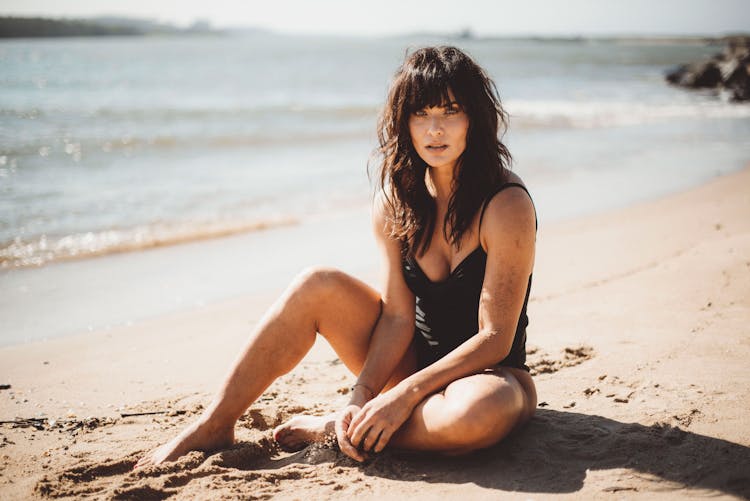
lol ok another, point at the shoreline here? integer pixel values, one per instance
(164, 280)
(631, 313)
(110, 242)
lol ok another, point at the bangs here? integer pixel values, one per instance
(430, 88)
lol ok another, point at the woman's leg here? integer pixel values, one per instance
(471, 413)
(343, 309)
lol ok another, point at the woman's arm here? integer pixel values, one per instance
(391, 335)
(395, 328)
(509, 233)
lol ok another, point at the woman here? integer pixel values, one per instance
(457, 232)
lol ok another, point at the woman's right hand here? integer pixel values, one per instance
(342, 426)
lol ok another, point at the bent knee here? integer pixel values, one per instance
(484, 421)
(317, 280)
(318, 292)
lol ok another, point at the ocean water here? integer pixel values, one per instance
(115, 144)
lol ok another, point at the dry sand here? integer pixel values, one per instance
(639, 338)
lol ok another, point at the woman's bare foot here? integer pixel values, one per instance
(199, 436)
(301, 431)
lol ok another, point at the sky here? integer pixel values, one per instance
(384, 17)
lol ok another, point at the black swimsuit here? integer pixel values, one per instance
(447, 311)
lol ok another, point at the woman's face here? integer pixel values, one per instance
(439, 133)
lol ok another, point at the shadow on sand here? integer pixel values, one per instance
(553, 453)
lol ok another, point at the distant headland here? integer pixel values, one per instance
(40, 27)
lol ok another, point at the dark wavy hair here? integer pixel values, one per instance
(424, 80)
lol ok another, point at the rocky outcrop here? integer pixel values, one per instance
(728, 72)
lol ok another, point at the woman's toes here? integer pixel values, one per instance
(280, 434)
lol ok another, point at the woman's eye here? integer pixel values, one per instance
(420, 113)
(451, 111)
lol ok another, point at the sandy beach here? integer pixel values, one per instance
(638, 340)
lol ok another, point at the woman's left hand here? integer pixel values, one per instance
(379, 419)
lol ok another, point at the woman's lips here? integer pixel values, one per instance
(437, 147)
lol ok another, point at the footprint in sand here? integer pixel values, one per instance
(246, 455)
(541, 362)
(85, 479)
(116, 479)
(266, 417)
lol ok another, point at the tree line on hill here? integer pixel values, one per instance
(23, 27)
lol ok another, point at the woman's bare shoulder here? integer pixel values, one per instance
(509, 212)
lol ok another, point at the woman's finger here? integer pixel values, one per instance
(357, 433)
(361, 444)
(360, 434)
(358, 417)
(345, 445)
(382, 441)
(355, 425)
(371, 444)
(348, 449)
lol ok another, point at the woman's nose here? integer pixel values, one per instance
(436, 127)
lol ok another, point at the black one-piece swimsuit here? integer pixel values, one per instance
(447, 311)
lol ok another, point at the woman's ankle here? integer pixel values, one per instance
(214, 421)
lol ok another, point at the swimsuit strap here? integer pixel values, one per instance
(498, 190)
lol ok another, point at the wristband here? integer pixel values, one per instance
(372, 393)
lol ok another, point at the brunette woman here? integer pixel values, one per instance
(439, 352)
